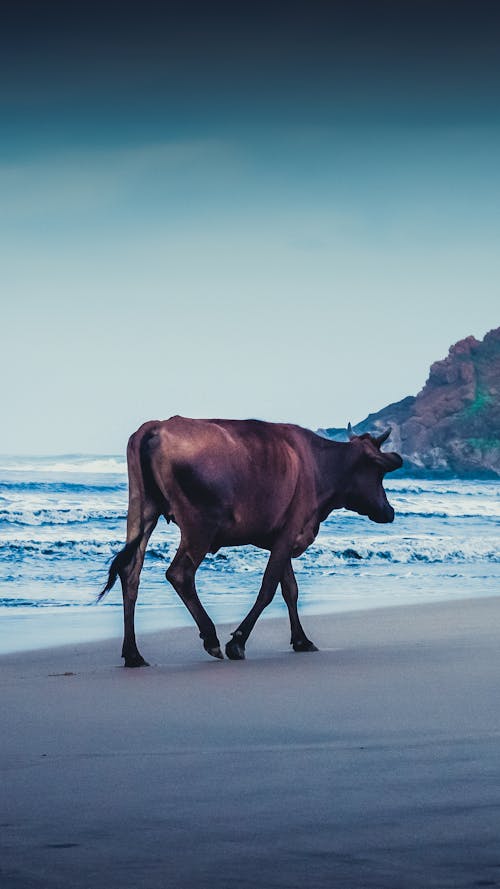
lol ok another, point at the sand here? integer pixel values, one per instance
(373, 763)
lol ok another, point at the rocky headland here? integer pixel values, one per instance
(452, 427)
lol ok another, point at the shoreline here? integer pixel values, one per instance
(266, 629)
(372, 763)
(31, 629)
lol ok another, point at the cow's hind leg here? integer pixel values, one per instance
(290, 592)
(181, 574)
(129, 576)
(235, 648)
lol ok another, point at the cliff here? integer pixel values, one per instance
(452, 427)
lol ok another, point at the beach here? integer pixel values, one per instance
(373, 763)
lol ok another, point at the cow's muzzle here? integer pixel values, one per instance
(383, 516)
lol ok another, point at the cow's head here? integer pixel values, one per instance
(364, 490)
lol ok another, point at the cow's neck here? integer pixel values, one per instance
(333, 463)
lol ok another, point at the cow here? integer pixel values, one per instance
(238, 482)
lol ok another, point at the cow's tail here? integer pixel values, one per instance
(119, 562)
(136, 503)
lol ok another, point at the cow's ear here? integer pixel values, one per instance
(389, 461)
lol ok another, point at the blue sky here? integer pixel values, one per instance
(284, 211)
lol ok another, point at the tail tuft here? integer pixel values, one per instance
(119, 562)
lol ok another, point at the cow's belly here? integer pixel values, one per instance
(237, 534)
(240, 536)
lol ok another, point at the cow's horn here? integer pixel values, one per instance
(350, 432)
(379, 440)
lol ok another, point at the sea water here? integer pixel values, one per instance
(63, 518)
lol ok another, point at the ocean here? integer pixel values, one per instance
(63, 518)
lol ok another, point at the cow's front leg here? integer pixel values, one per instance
(235, 648)
(290, 592)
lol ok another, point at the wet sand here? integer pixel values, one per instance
(373, 763)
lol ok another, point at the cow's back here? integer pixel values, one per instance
(242, 475)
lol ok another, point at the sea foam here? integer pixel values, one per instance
(63, 518)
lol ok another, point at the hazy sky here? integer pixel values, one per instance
(281, 210)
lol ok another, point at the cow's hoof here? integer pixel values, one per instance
(235, 649)
(304, 645)
(215, 651)
(135, 660)
(212, 646)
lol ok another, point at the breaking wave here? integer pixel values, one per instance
(326, 554)
(61, 516)
(66, 463)
(62, 519)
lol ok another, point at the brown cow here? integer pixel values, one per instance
(236, 482)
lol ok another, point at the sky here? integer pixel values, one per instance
(275, 210)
